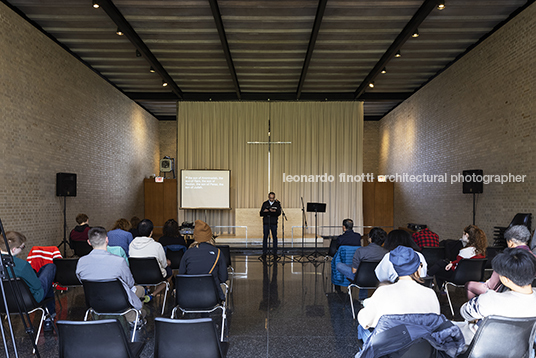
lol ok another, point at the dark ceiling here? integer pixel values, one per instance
(268, 49)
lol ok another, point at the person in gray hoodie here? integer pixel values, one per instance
(145, 246)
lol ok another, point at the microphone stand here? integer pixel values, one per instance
(304, 225)
(283, 256)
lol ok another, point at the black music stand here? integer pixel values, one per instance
(316, 208)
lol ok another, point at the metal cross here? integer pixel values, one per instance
(269, 145)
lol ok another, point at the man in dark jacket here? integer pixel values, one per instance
(349, 237)
(270, 211)
(203, 257)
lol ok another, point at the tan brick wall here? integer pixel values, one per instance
(56, 115)
(371, 146)
(479, 114)
(168, 138)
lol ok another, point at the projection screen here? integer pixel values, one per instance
(205, 189)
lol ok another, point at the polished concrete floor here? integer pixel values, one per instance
(286, 309)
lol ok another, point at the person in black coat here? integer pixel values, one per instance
(349, 237)
(270, 211)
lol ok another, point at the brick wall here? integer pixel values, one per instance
(371, 145)
(56, 115)
(478, 114)
(168, 138)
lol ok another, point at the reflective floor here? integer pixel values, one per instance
(286, 309)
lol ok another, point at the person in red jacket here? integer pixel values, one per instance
(475, 242)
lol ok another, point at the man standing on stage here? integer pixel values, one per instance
(270, 210)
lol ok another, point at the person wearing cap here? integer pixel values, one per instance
(406, 296)
(203, 257)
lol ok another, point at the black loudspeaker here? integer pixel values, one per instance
(65, 184)
(475, 184)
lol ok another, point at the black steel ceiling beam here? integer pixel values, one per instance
(262, 96)
(113, 12)
(410, 28)
(311, 47)
(224, 44)
(166, 118)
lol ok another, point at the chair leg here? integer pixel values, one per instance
(87, 314)
(40, 326)
(223, 316)
(448, 297)
(351, 301)
(135, 326)
(232, 279)
(173, 312)
(165, 296)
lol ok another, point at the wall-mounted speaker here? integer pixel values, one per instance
(475, 185)
(65, 184)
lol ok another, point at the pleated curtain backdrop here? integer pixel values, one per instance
(327, 138)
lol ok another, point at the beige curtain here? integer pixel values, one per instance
(326, 138)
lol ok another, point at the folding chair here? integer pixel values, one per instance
(190, 337)
(103, 338)
(146, 272)
(199, 294)
(66, 272)
(467, 270)
(365, 279)
(433, 254)
(226, 251)
(110, 298)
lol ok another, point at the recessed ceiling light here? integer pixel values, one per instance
(398, 54)
(119, 32)
(164, 83)
(95, 4)
(384, 70)
(441, 5)
(371, 84)
(416, 33)
(151, 69)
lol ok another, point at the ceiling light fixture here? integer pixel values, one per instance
(371, 84)
(398, 54)
(138, 53)
(119, 32)
(384, 70)
(164, 83)
(95, 4)
(416, 33)
(152, 70)
(441, 5)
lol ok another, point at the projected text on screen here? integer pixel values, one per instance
(205, 189)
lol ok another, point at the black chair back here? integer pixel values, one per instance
(81, 248)
(196, 292)
(175, 257)
(106, 296)
(333, 246)
(89, 339)
(145, 270)
(491, 252)
(27, 297)
(190, 338)
(499, 337)
(66, 272)
(420, 348)
(433, 254)
(226, 252)
(469, 270)
(522, 219)
(365, 277)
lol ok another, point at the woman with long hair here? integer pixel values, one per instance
(475, 242)
(120, 235)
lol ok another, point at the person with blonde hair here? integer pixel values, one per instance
(120, 234)
(475, 242)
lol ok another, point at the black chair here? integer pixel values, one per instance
(433, 254)
(103, 338)
(81, 248)
(146, 272)
(467, 270)
(499, 337)
(198, 294)
(175, 256)
(28, 300)
(421, 348)
(189, 337)
(226, 251)
(519, 219)
(110, 298)
(491, 252)
(365, 279)
(66, 272)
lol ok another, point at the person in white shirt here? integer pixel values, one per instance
(406, 296)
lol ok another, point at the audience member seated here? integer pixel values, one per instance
(79, 233)
(385, 270)
(40, 284)
(475, 242)
(516, 268)
(134, 222)
(171, 235)
(118, 251)
(101, 265)
(120, 235)
(145, 246)
(406, 296)
(349, 237)
(204, 257)
(517, 236)
(372, 252)
(426, 238)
